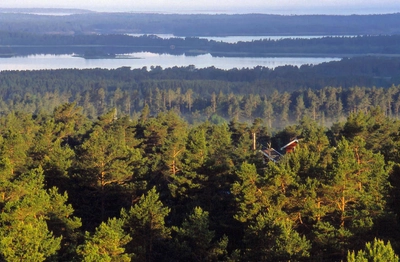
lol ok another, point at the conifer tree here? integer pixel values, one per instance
(69, 120)
(106, 161)
(18, 131)
(377, 251)
(53, 154)
(249, 197)
(106, 244)
(32, 241)
(195, 241)
(34, 221)
(271, 237)
(353, 195)
(145, 222)
(186, 183)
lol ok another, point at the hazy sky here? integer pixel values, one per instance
(221, 6)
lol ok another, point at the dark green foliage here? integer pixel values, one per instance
(107, 243)
(272, 237)
(105, 168)
(34, 222)
(146, 223)
(133, 182)
(376, 251)
(325, 93)
(194, 240)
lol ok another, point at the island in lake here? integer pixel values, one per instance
(94, 54)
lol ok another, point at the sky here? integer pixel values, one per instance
(287, 7)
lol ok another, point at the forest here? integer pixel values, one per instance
(86, 22)
(23, 44)
(161, 189)
(85, 33)
(169, 164)
(158, 164)
(326, 93)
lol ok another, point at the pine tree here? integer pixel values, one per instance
(106, 244)
(34, 221)
(52, 153)
(106, 161)
(146, 223)
(32, 241)
(353, 195)
(189, 180)
(377, 251)
(271, 237)
(249, 197)
(69, 120)
(195, 241)
(18, 131)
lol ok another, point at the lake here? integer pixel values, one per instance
(146, 59)
(246, 38)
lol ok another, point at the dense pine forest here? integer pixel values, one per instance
(158, 164)
(326, 93)
(160, 189)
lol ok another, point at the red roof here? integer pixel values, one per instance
(290, 145)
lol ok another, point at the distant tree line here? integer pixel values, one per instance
(202, 24)
(326, 93)
(17, 43)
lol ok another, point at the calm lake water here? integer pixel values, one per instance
(245, 38)
(146, 59)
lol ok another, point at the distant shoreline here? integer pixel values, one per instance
(106, 56)
(338, 10)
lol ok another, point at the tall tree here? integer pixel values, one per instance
(250, 197)
(195, 241)
(353, 194)
(300, 107)
(146, 223)
(105, 163)
(34, 220)
(190, 180)
(106, 244)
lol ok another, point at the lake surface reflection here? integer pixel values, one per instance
(146, 59)
(245, 38)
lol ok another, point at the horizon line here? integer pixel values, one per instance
(271, 11)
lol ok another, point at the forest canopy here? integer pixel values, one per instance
(160, 189)
(174, 164)
(327, 92)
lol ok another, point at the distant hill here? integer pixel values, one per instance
(87, 22)
(44, 11)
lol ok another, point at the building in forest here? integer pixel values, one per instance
(270, 154)
(289, 148)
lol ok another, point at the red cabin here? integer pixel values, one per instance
(289, 148)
